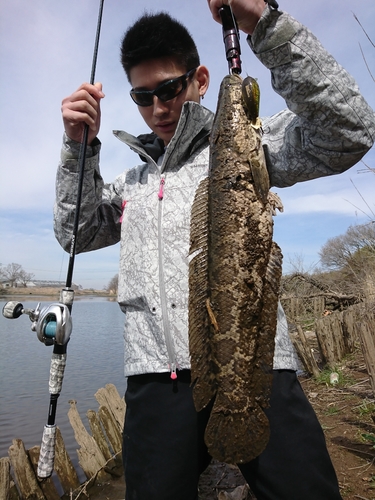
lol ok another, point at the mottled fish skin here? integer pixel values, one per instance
(234, 279)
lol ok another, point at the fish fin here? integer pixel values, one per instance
(236, 436)
(275, 201)
(259, 173)
(202, 368)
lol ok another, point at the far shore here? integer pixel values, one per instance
(51, 292)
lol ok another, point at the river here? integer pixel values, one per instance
(94, 359)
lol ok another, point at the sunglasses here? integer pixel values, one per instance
(165, 92)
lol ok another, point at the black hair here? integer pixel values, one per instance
(155, 36)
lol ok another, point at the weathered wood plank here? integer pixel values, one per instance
(330, 338)
(366, 334)
(319, 305)
(110, 398)
(4, 478)
(114, 463)
(13, 491)
(111, 428)
(309, 360)
(348, 328)
(24, 473)
(64, 467)
(90, 457)
(47, 485)
(98, 434)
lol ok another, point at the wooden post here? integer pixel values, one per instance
(304, 352)
(110, 398)
(330, 338)
(24, 473)
(366, 334)
(64, 467)
(111, 428)
(98, 434)
(13, 491)
(319, 305)
(90, 457)
(312, 365)
(46, 485)
(348, 328)
(4, 478)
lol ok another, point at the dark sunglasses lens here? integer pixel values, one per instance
(142, 98)
(170, 90)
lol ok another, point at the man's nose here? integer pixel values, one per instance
(160, 107)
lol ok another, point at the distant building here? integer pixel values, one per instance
(37, 284)
(49, 284)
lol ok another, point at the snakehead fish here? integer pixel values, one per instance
(234, 279)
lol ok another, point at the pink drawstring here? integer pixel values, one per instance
(173, 370)
(161, 188)
(123, 205)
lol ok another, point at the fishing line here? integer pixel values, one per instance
(82, 159)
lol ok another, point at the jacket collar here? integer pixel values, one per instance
(192, 131)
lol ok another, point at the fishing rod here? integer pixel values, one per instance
(53, 323)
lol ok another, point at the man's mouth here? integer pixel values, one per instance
(165, 126)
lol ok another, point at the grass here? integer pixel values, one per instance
(324, 377)
(369, 438)
(366, 408)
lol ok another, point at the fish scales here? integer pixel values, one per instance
(234, 279)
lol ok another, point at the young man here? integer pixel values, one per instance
(326, 130)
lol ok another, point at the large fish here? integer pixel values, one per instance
(234, 280)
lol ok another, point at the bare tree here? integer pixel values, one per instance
(11, 272)
(113, 284)
(25, 277)
(354, 248)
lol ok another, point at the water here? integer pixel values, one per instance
(94, 359)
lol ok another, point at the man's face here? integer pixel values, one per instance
(162, 117)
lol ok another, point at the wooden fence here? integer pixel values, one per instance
(99, 454)
(337, 335)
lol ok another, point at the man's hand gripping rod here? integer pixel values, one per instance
(231, 36)
(231, 39)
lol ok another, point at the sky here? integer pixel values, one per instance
(46, 53)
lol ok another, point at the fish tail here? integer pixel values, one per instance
(236, 436)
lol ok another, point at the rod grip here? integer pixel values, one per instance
(47, 452)
(56, 375)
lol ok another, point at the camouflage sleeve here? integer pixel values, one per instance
(100, 211)
(328, 126)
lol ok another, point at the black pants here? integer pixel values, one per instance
(164, 451)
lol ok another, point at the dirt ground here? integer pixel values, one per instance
(346, 411)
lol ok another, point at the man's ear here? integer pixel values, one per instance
(202, 75)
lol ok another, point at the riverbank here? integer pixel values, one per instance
(51, 292)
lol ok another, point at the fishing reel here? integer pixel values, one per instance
(52, 324)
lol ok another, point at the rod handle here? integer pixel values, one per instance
(47, 452)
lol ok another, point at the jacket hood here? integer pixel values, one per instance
(193, 128)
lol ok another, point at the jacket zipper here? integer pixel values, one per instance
(163, 298)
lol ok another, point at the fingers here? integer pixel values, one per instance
(80, 108)
(246, 12)
(215, 6)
